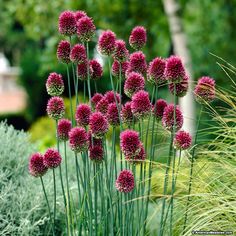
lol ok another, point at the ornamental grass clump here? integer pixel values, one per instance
(114, 175)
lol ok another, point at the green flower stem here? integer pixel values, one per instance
(71, 109)
(77, 85)
(49, 210)
(88, 74)
(55, 199)
(95, 197)
(73, 69)
(84, 91)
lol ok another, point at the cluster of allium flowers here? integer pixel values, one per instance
(67, 23)
(96, 153)
(125, 181)
(96, 98)
(78, 139)
(63, 52)
(159, 107)
(134, 83)
(55, 84)
(138, 37)
(205, 89)
(55, 108)
(137, 63)
(140, 104)
(116, 68)
(78, 54)
(82, 114)
(85, 29)
(111, 97)
(130, 143)
(106, 43)
(174, 71)
(102, 106)
(79, 14)
(182, 140)
(95, 69)
(156, 69)
(127, 116)
(98, 124)
(36, 165)
(179, 89)
(121, 53)
(141, 156)
(113, 114)
(168, 120)
(82, 70)
(63, 129)
(52, 158)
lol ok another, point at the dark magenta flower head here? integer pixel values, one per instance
(133, 83)
(63, 129)
(95, 69)
(159, 108)
(112, 97)
(168, 117)
(138, 37)
(96, 98)
(67, 23)
(205, 89)
(121, 53)
(36, 165)
(141, 156)
(82, 70)
(182, 140)
(174, 71)
(156, 69)
(179, 89)
(106, 42)
(82, 114)
(78, 139)
(113, 115)
(55, 84)
(125, 181)
(85, 29)
(127, 116)
(98, 124)
(79, 14)
(78, 54)
(102, 106)
(55, 108)
(137, 63)
(63, 52)
(116, 68)
(140, 104)
(129, 142)
(96, 154)
(52, 158)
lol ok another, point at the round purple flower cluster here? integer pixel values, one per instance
(78, 54)
(82, 114)
(119, 68)
(95, 69)
(179, 89)
(121, 53)
(159, 108)
(138, 37)
(36, 165)
(113, 114)
(63, 52)
(55, 108)
(78, 139)
(127, 116)
(137, 63)
(125, 181)
(52, 158)
(85, 29)
(55, 84)
(67, 23)
(106, 43)
(63, 128)
(182, 140)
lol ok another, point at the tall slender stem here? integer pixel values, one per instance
(55, 199)
(88, 74)
(71, 109)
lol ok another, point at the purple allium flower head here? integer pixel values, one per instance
(141, 156)
(55, 108)
(156, 69)
(116, 68)
(182, 140)
(134, 83)
(52, 158)
(85, 29)
(168, 117)
(67, 23)
(96, 98)
(79, 14)
(113, 114)
(78, 139)
(78, 54)
(96, 153)
(95, 69)
(36, 165)
(138, 37)
(82, 114)
(127, 116)
(137, 63)
(159, 107)
(102, 106)
(63, 129)
(129, 142)
(205, 89)
(63, 52)
(140, 104)
(180, 88)
(121, 53)
(111, 97)
(174, 71)
(55, 84)
(98, 124)
(82, 70)
(106, 42)
(125, 181)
